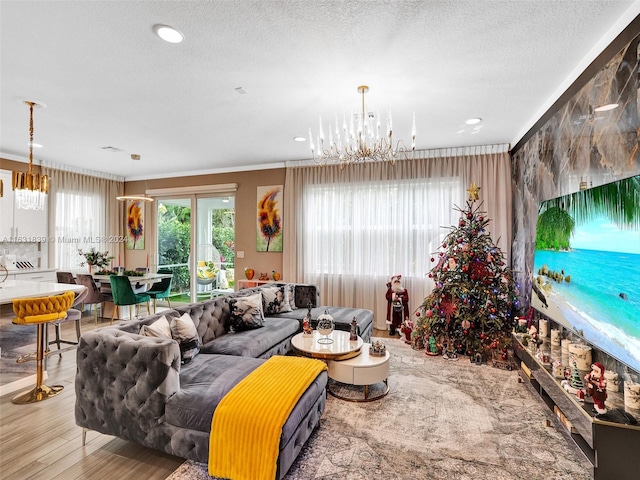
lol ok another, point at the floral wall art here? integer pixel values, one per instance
(269, 226)
(135, 225)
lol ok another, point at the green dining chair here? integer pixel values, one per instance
(162, 289)
(123, 294)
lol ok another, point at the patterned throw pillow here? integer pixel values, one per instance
(183, 330)
(289, 288)
(246, 312)
(275, 300)
(160, 328)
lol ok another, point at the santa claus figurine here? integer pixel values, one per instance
(597, 387)
(397, 305)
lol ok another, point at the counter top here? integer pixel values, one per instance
(12, 289)
(31, 270)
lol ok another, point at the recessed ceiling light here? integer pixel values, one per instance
(473, 121)
(168, 34)
(604, 108)
(300, 139)
(460, 131)
(35, 145)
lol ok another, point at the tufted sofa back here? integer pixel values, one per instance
(212, 317)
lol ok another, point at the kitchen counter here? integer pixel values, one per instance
(12, 289)
(36, 274)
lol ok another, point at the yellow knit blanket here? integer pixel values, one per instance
(248, 421)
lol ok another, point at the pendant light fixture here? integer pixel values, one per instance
(141, 197)
(30, 189)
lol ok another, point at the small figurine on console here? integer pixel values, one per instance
(397, 305)
(407, 328)
(573, 383)
(597, 387)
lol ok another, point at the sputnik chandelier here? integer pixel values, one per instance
(30, 189)
(360, 140)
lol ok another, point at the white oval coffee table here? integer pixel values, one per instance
(340, 346)
(364, 370)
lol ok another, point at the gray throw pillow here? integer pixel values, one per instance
(275, 300)
(183, 330)
(246, 312)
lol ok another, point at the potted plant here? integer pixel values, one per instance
(94, 257)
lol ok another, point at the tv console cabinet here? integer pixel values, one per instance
(611, 445)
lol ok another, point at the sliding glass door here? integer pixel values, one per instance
(196, 240)
(174, 244)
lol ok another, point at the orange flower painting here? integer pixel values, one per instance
(135, 225)
(269, 229)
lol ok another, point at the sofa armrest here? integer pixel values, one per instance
(123, 381)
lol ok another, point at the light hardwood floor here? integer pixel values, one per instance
(41, 440)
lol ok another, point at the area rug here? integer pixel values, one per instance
(441, 420)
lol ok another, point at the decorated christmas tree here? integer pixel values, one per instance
(472, 306)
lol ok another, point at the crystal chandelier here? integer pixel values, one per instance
(360, 140)
(30, 189)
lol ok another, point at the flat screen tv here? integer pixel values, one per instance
(586, 274)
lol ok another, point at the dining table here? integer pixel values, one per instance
(137, 281)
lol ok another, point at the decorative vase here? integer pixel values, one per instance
(249, 273)
(276, 276)
(325, 327)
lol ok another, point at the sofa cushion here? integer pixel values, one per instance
(160, 328)
(208, 378)
(275, 300)
(203, 383)
(253, 343)
(183, 330)
(246, 312)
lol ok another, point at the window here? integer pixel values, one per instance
(377, 228)
(80, 224)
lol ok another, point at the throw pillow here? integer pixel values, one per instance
(275, 300)
(246, 312)
(291, 295)
(160, 328)
(183, 330)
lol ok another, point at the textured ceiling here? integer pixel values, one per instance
(107, 80)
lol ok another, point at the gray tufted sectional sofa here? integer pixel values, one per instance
(135, 388)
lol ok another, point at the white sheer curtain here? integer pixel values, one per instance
(83, 213)
(350, 229)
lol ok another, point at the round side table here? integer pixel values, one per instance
(364, 370)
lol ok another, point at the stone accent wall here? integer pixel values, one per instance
(576, 145)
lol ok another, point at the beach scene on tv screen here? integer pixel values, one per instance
(596, 292)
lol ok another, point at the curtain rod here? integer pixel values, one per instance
(430, 153)
(82, 171)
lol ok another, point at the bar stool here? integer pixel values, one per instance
(73, 315)
(40, 311)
